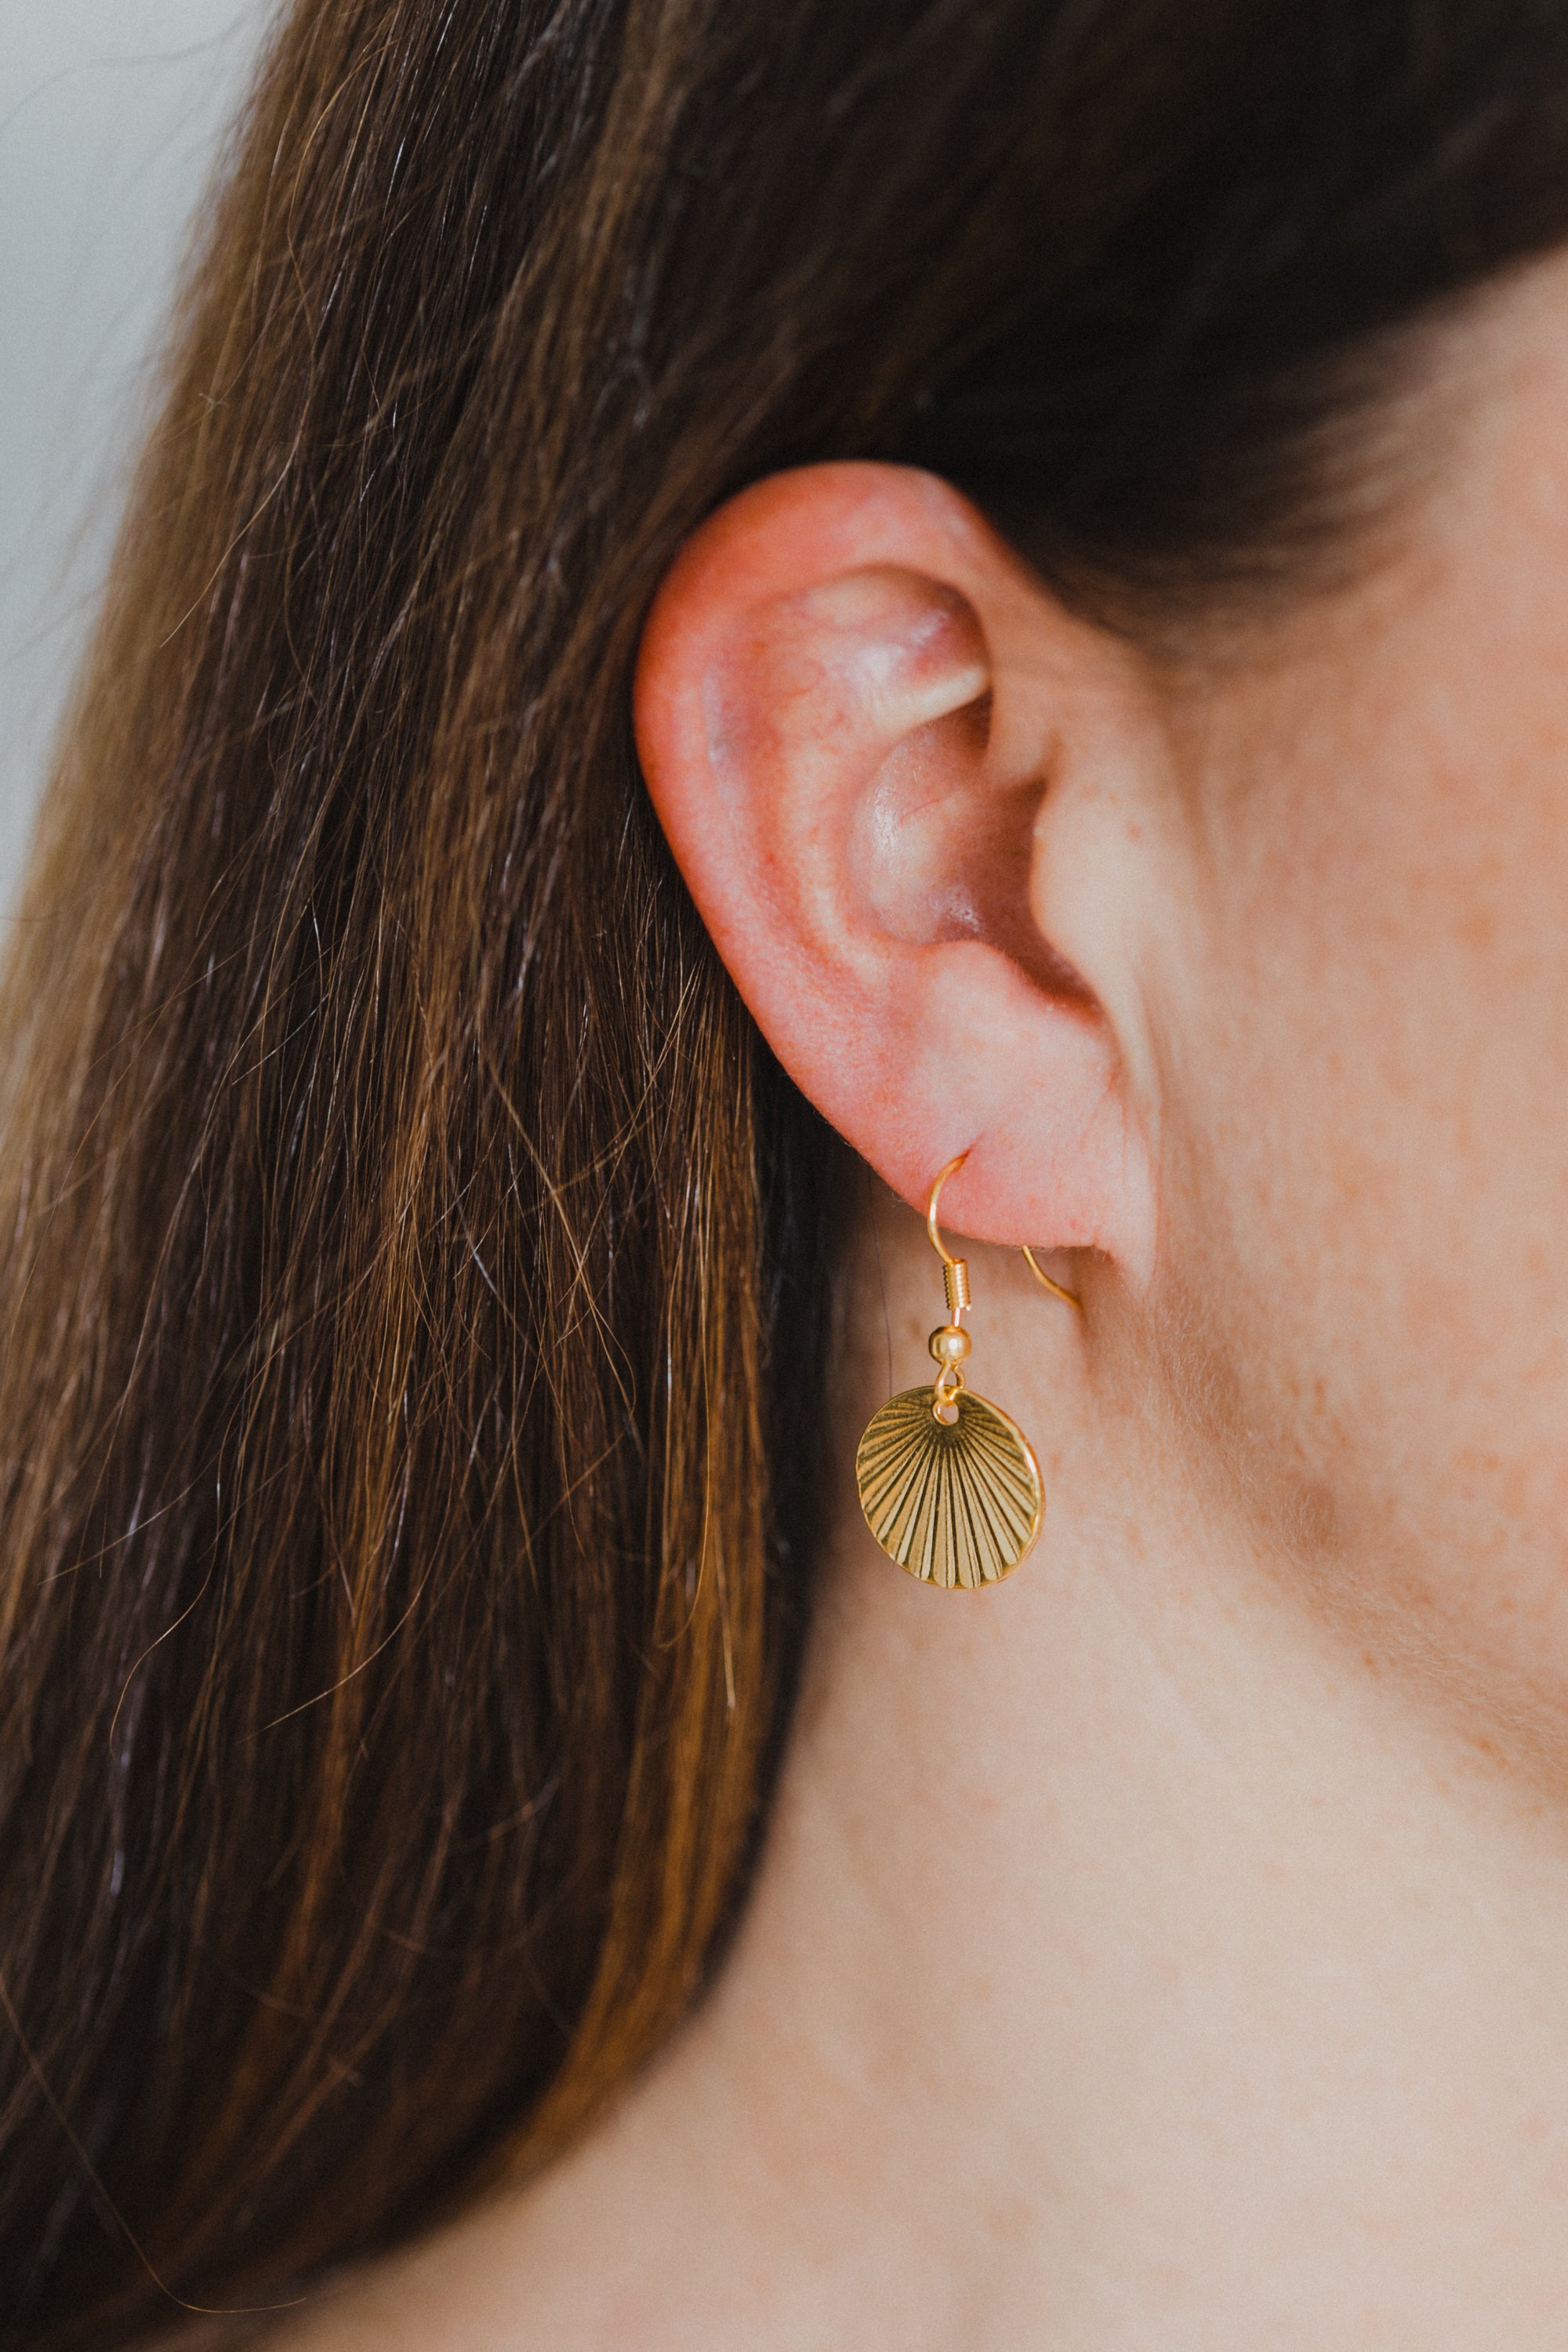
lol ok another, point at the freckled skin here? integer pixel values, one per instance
(1363, 978)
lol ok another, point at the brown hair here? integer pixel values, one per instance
(416, 1261)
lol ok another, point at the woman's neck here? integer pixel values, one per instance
(1131, 1962)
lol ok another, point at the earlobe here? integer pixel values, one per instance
(854, 720)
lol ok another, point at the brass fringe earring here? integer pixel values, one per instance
(948, 1481)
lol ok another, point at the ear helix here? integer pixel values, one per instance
(947, 1481)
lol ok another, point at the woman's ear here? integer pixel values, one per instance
(883, 754)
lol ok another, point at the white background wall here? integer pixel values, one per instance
(110, 114)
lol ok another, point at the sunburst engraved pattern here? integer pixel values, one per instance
(955, 1503)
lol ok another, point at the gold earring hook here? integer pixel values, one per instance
(951, 1170)
(955, 1274)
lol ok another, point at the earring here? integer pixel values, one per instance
(948, 1481)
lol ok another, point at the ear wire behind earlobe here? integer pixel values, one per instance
(1054, 1287)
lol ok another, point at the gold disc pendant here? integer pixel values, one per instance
(957, 1503)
